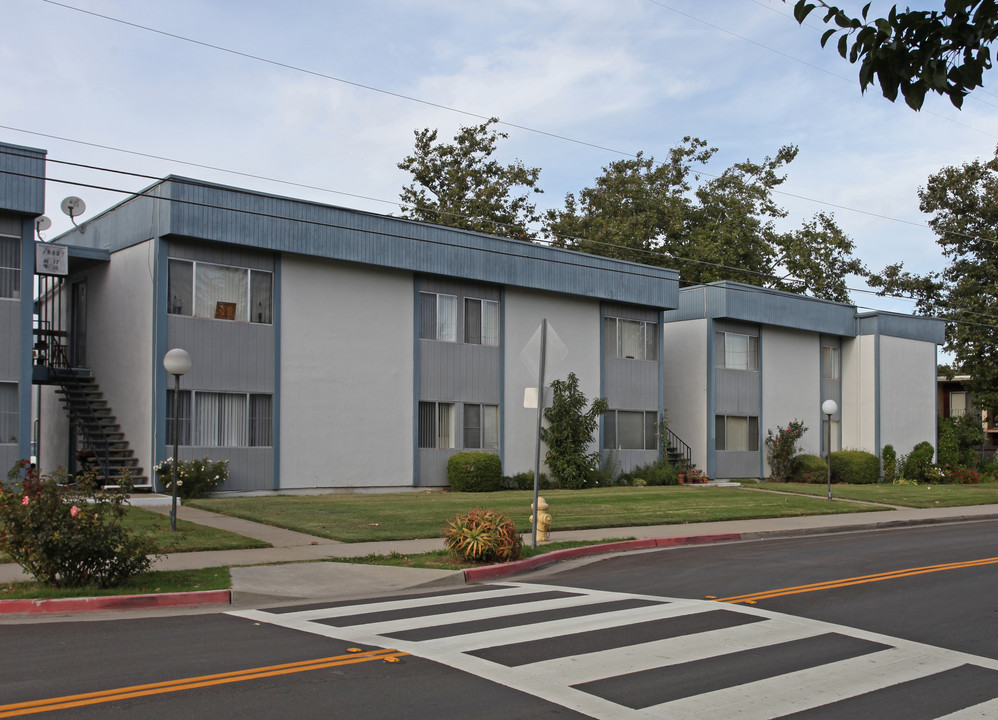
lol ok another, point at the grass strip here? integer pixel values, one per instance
(155, 581)
(404, 516)
(445, 560)
(913, 496)
(189, 537)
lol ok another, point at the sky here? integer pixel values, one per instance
(320, 99)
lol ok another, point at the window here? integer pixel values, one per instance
(736, 351)
(221, 419)
(10, 267)
(957, 404)
(481, 427)
(835, 441)
(437, 317)
(436, 425)
(634, 339)
(481, 322)
(734, 432)
(830, 369)
(630, 430)
(8, 413)
(220, 292)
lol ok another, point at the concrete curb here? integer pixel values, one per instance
(115, 602)
(518, 566)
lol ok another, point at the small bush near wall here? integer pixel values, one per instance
(657, 473)
(809, 469)
(889, 459)
(918, 461)
(475, 472)
(855, 466)
(782, 448)
(195, 478)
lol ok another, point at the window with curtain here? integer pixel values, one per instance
(221, 292)
(481, 321)
(211, 419)
(437, 317)
(436, 425)
(630, 430)
(481, 427)
(735, 351)
(8, 413)
(957, 403)
(632, 339)
(10, 267)
(830, 369)
(736, 432)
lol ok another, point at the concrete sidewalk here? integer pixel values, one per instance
(282, 574)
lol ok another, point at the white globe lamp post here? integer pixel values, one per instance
(177, 362)
(829, 408)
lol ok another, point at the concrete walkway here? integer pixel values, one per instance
(282, 574)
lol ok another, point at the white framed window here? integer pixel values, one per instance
(633, 339)
(10, 267)
(222, 292)
(736, 432)
(8, 413)
(736, 351)
(481, 427)
(958, 403)
(212, 419)
(437, 317)
(630, 430)
(830, 367)
(436, 425)
(481, 321)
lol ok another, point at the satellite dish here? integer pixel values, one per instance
(43, 223)
(73, 206)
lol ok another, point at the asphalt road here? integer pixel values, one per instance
(626, 637)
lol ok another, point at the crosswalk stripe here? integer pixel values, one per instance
(806, 689)
(985, 711)
(662, 653)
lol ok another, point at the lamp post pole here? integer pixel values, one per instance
(177, 362)
(829, 408)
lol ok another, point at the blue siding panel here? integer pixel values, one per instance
(22, 179)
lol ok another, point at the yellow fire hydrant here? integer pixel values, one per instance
(543, 519)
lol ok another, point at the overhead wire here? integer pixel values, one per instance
(634, 252)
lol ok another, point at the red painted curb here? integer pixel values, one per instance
(517, 566)
(115, 602)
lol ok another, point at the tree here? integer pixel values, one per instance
(461, 185)
(724, 229)
(964, 201)
(915, 51)
(569, 433)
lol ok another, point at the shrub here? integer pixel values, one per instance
(195, 478)
(782, 448)
(889, 459)
(960, 439)
(483, 536)
(961, 475)
(855, 466)
(918, 461)
(475, 472)
(809, 469)
(69, 535)
(660, 472)
(569, 433)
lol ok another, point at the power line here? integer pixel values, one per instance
(641, 252)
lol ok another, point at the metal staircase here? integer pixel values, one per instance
(677, 452)
(104, 446)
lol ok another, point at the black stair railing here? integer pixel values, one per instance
(678, 450)
(81, 410)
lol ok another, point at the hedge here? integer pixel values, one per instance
(856, 467)
(474, 472)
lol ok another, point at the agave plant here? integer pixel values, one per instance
(483, 535)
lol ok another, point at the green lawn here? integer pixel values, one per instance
(402, 516)
(916, 496)
(158, 581)
(189, 537)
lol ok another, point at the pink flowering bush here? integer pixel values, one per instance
(68, 535)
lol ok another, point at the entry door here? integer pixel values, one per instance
(78, 325)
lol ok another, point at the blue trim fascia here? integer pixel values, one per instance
(711, 449)
(415, 379)
(275, 432)
(161, 258)
(876, 392)
(661, 378)
(26, 362)
(602, 375)
(762, 403)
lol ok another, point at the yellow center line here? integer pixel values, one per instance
(134, 691)
(860, 580)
